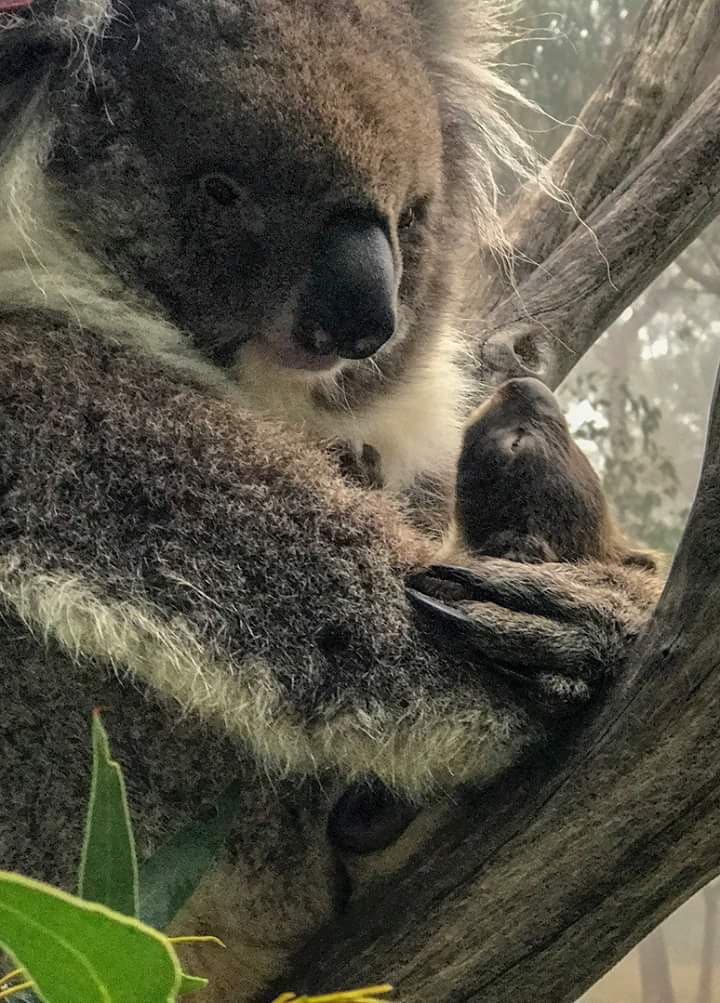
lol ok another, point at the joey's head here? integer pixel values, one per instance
(274, 177)
(526, 491)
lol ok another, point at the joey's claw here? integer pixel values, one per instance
(363, 469)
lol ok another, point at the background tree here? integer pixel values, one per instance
(711, 901)
(655, 976)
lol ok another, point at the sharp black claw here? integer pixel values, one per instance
(472, 585)
(440, 610)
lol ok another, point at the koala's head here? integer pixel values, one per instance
(526, 491)
(288, 174)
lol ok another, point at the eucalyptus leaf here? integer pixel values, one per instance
(170, 877)
(108, 869)
(79, 951)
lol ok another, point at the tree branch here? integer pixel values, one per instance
(651, 85)
(550, 878)
(651, 217)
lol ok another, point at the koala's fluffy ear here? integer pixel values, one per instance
(34, 37)
(465, 29)
(44, 26)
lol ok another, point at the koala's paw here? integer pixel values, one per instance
(363, 469)
(549, 630)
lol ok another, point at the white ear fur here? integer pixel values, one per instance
(466, 42)
(87, 16)
(478, 27)
(79, 20)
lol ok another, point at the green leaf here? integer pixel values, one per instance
(108, 869)
(79, 951)
(168, 879)
(189, 984)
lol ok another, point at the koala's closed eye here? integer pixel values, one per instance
(224, 192)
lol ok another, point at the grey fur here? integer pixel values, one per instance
(126, 490)
(198, 567)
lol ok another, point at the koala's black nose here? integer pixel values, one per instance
(349, 302)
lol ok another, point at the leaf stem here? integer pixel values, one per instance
(14, 990)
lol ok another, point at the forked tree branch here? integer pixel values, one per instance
(532, 327)
(544, 882)
(653, 82)
(535, 888)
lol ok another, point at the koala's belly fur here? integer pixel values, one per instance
(280, 879)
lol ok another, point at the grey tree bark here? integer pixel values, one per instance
(535, 888)
(671, 53)
(563, 306)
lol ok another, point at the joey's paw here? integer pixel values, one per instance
(363, 469)
(550, 645)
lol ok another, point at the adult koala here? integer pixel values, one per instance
(223, 219)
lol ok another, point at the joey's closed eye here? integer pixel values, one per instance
(220, 188)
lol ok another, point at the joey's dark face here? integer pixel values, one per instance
(524, 485)
(268, 170)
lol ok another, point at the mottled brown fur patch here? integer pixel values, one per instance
(526, 491)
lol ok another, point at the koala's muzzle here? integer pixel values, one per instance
(349, 303)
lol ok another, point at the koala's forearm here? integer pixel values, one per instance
(222, 561)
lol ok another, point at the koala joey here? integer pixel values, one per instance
(526, 493)
(231, 230)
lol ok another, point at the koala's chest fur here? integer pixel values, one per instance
(414, 423)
